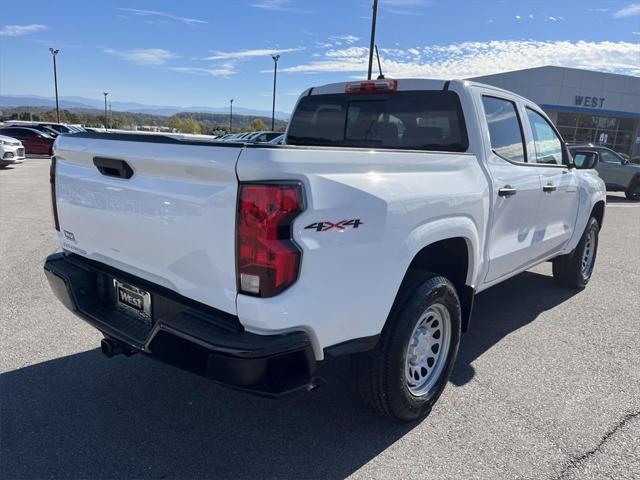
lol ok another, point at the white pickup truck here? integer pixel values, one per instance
(368, 233)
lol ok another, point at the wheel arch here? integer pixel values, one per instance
(452, 256)
(598, 212)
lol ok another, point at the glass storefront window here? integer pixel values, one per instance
(584, 135)
(567, 133)
(567, 119)
(626, 124)
(612, 132)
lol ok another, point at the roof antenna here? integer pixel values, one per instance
(381, 76)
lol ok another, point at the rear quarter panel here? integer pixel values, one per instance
(349, 278)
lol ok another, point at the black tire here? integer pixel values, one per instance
(633, 192)
(633, 196)
(567, 269)
(380, 373)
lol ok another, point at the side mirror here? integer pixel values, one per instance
(585, 160)
(625, 161)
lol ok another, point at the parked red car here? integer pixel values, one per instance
(35, 142)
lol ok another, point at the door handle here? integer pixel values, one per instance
(550, 187)
(112, 167)
(507, 191)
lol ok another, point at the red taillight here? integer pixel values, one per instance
(372, 86)
(268, 259)
(52, 182)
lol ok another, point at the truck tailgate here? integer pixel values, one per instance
(172, 222)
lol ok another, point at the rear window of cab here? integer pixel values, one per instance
(412, 120)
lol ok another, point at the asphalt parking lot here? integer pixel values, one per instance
(547, 385)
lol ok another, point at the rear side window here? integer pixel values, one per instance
(416, 120)
(548, 145)
(505, 129)
(20, 132)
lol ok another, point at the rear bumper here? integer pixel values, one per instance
(182, 332)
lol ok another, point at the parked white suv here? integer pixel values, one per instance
(368, 233)
(11, 151)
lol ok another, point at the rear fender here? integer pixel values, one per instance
(443, 229)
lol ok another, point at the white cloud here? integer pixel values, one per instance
(241, 54)
(143, 56)
(224, 71)
(272, 4)
(346, 39)
(470, 59)
(163, 15)
(350, 52)
(628, 11)
(279, 6)
(20, 30)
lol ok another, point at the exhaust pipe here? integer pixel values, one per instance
(111, 348)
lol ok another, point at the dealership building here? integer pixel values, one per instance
(586, 106)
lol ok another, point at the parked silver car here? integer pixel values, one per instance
(617, 172)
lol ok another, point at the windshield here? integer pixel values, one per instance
(417, 120)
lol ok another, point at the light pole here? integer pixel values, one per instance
(105, 109)
(275, 79)
(54, 52)
(373, 37)
(231, 116)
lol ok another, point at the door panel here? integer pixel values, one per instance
(609, 171)
(558, 208)
(614, 171)
(513, 232)
(516, 189)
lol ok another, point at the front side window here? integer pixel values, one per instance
(547, 142)
(609, 157)
(416, 120)
(505, 131)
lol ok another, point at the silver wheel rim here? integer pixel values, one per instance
(588, 254)
(427, 350)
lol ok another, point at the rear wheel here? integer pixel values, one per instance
(405, 375)
(574, 269)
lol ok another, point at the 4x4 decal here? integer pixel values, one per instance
(326, 225)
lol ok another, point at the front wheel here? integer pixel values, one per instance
(633, 192)
(407, 372)
(574, 270)
(633, 196)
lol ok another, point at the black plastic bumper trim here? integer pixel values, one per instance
(182, 332)
(357, 345)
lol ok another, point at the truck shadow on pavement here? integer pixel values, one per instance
(502, 310)
(83, 416)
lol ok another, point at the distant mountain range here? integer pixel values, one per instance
(82, 103)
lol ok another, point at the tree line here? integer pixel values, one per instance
(185, 122)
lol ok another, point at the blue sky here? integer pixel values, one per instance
(204, 52)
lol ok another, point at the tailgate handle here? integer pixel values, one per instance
(112, 167)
